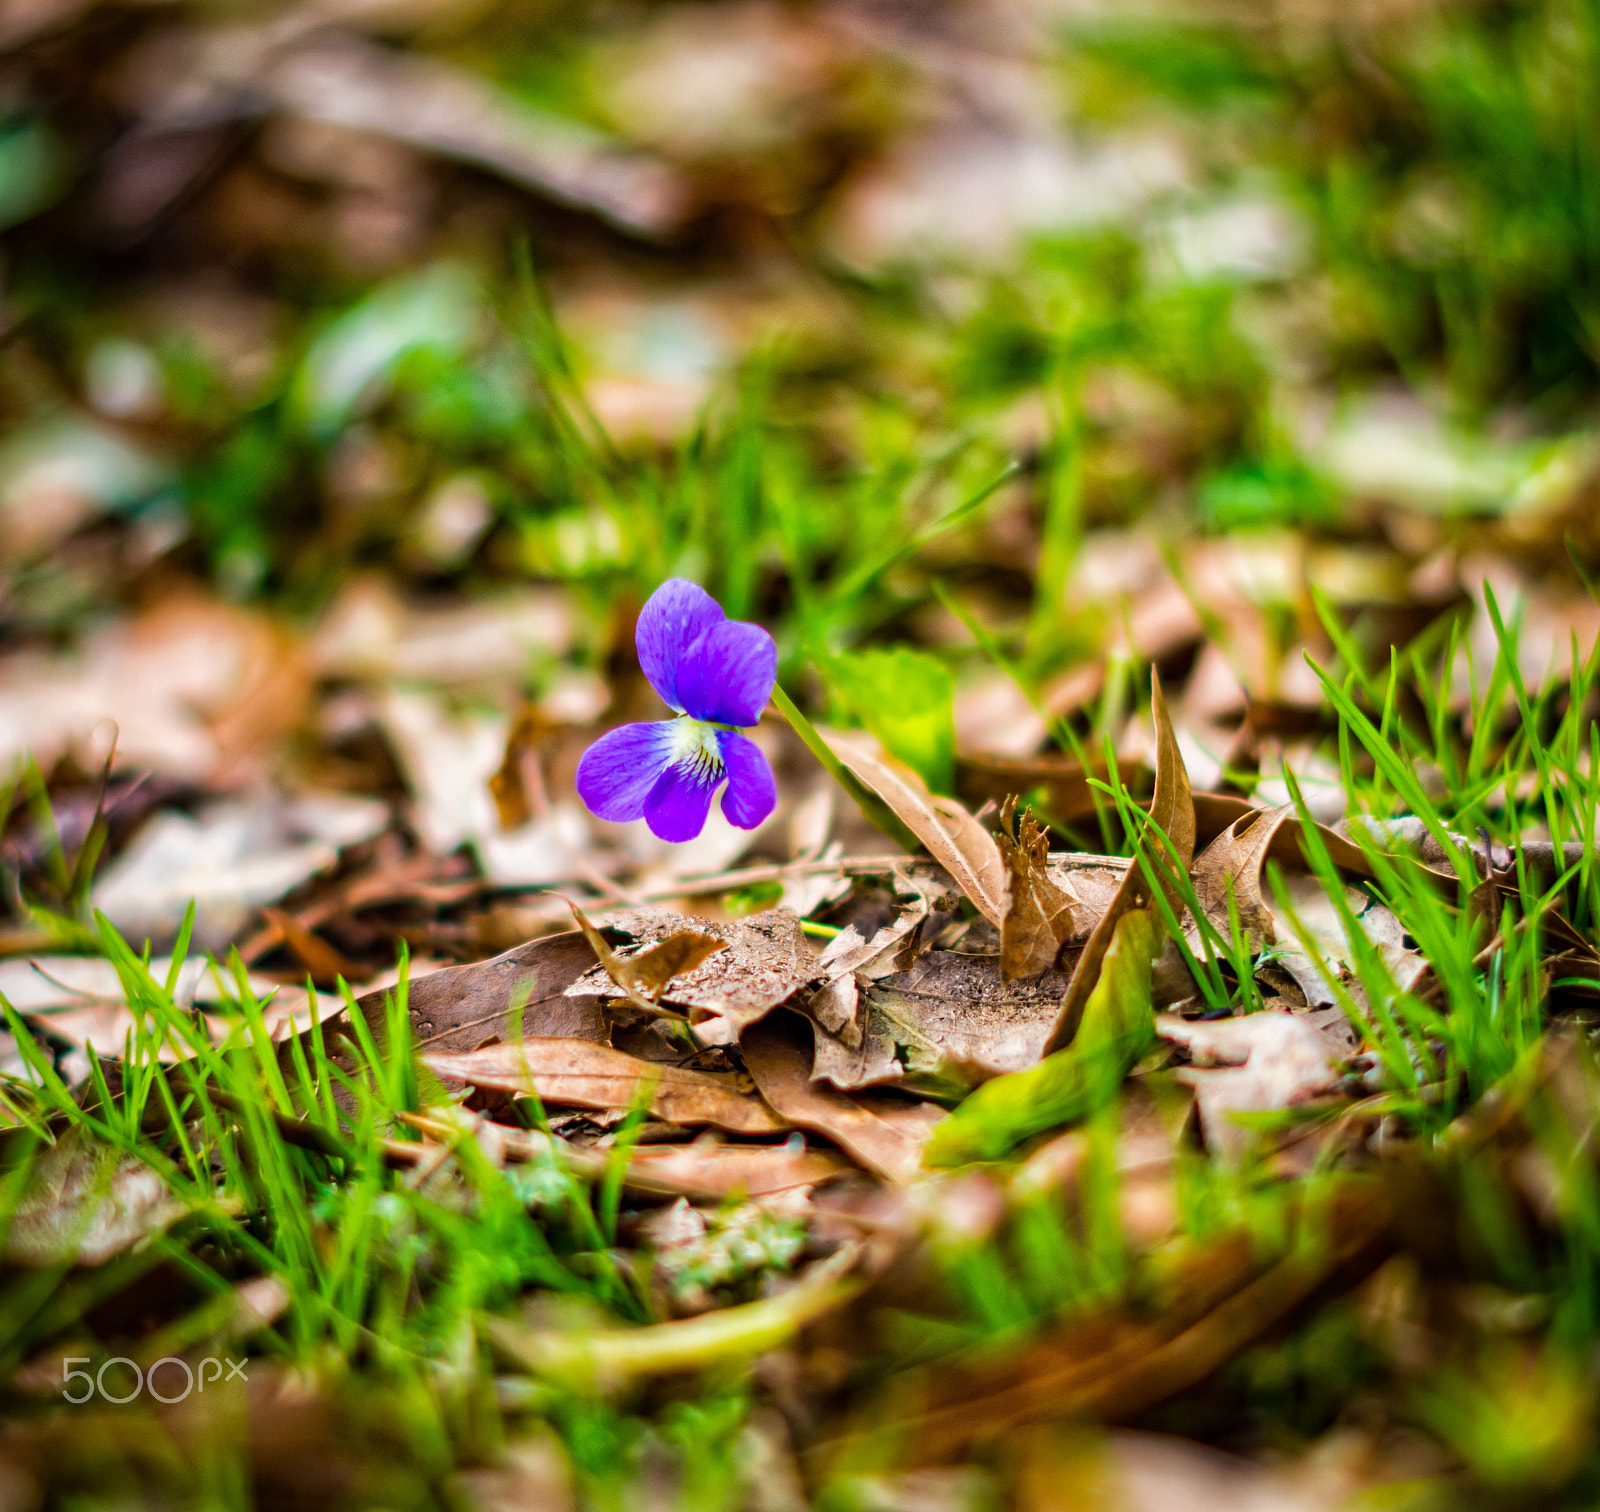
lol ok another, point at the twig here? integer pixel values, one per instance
(690, 887)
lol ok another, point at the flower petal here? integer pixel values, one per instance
(752, 789)
(727, 675)
(679, 802)
(674, 617)
(619, 770)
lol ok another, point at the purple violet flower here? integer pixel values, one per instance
(717, 673)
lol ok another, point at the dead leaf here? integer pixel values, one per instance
(1072, 1082)
(1264, 1061)
(581, 1074)
(873, 1061)
(1214, 812)
(777, 1056)
(749, 965)
(1038, 915)
(1234, 859)
(230, 857)
(460, 1007)
(518, 770)
(959, 1022)
(643, 977)
(85, 1203)
(836, 1004)
(1091, 882)
(1172, 812)
(1331, 949)
(1240, 854)
(1172, 806)
(1112, 1365)
(705, 1170)
(323, 963)
(951, 835)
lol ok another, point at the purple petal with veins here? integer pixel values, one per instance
(752, 789)
(674, 617)
(619, 770)
(679, 802)
(728, 674)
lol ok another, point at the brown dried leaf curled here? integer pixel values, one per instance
(1038, 918)
(86, 1203)
(1172, 812)
(674, 956)
(643, 978)
(1235, 859)
(780, 1060)
(1258, 1063)
(523, 991)
(750, 965)
(952, 836)
(579, 1074)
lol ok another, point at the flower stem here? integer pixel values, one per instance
(874, 810)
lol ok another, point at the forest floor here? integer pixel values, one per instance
(1145, 1058)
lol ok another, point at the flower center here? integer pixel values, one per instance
(694, 745)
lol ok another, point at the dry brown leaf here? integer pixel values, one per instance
(86, 1203)
(705, 1170)
(1240, 853)
(748, 967)
(462, 1006)
(581, 1074)
(958, 1022)
(1263, 1061)
(1172, 812)
(1172, 806)
(778, 1057)
(1091, 882)
(1329, 962)
(873, 1061)
(323, 963)
(1038, 918)
(518, 771)
(1235, 858)
(642, 978)
(1111, 1365)
(952, 836)
(835, 1006)
(1069, 795)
